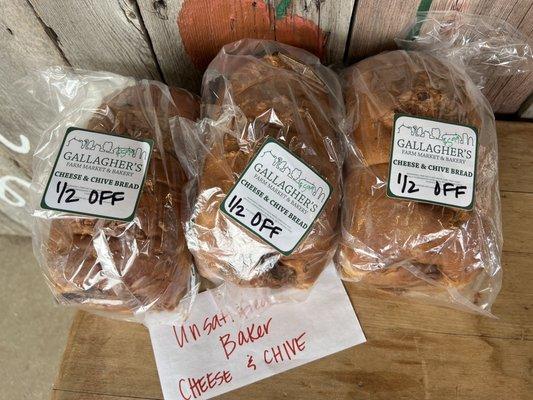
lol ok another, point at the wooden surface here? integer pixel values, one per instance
(377, 24)
(414, 351)
(160, 20)
(174, 40)
(332, 18)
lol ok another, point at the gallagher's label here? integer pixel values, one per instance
(98, 174)
(433, 162)
(277, 197)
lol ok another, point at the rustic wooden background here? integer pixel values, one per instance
(174, 40)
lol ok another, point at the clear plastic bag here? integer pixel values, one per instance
(128, 270)
(484, 46)
(252, 91)
(442, 254)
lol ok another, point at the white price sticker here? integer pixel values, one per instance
(433, 161)
(278, 197)
(98, 174)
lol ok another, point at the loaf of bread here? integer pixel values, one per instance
(398, 244)
(254, 90)
(120, 267)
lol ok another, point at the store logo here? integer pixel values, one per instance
(108, 147)
(448, 139)
(295, 175)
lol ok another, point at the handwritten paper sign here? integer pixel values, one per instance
(433, 162)
(210, 354)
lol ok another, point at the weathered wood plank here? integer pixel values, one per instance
(377, 24)
(505, 93)
(161, 21)
(411, 366)
(25, 45)
(526, 110)
(406, 364)
(100, 35)
(107, 367)
(63, 395)
(517, 208)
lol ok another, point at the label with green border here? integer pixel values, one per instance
(98, 175)
(278, 197)
(433, 161)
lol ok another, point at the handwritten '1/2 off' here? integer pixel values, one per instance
(95, 196)
(439, 188)
(258, 220)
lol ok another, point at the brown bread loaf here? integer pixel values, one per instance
(269, 90)
(399, 244)
(130, 267)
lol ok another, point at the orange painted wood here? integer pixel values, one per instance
(187, 34)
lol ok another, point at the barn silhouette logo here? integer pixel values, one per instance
(295, 175)
(107, 147)
(448, 139)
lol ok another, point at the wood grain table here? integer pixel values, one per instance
(414, 351)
